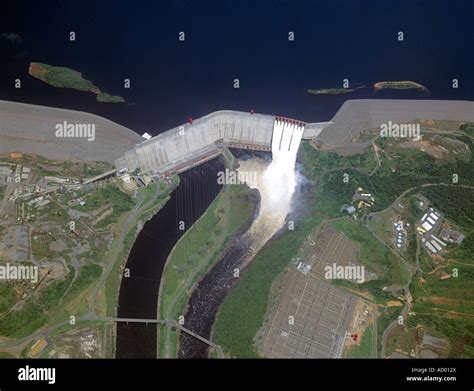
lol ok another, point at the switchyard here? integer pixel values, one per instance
(312, 320)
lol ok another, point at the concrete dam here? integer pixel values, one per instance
(30, 129)
(196, 142)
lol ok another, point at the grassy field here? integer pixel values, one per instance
(375, 257)
(365, 347)
(7, 296)
(47, 305)
(198, 250)
(447, 307)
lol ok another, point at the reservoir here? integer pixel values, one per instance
(139, 293)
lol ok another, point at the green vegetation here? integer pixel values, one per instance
(459, 332)
(365, 347)
(329, 91)
(87, 275)
(62, 77)
(17, 324)
(468, 128)
(104, 97)
(333, 91)
(386, 316)
(37, 311)
(6, 355)
(199, 249)
(7, 296)
(244, 308)
(444, 306)
(401, 338)
(90, 170)
(50, 296)
(405, 169)
(109, 195)
(399, 85)
(317, 163)
(146, 211)
(374, 256)
(456, 203)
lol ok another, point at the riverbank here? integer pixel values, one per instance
(197, 252)
(139, 291)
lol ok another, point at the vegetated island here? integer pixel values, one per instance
(333, 91)
(399, 85)
(63, 77)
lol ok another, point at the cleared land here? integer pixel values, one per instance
(31, 129)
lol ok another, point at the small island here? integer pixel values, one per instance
(329, 91)
(333, 91)
(399, 85)
(62, 77)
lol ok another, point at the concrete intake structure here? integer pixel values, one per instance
(188, 145)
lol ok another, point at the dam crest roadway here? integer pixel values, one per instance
(198, 141)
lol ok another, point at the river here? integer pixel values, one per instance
(139, 292)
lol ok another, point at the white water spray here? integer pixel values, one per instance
(276, 181)
(280, 175)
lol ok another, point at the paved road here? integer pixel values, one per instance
(171, 322)
(115, 251)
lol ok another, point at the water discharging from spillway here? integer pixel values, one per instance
(276, 183)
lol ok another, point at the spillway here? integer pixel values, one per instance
(188, 145)
(280, 175)
(287, 135)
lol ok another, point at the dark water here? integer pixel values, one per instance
(226, 39)
(139, 293)
(211, 292)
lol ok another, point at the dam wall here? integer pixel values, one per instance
(188, 145)
(193, 143)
